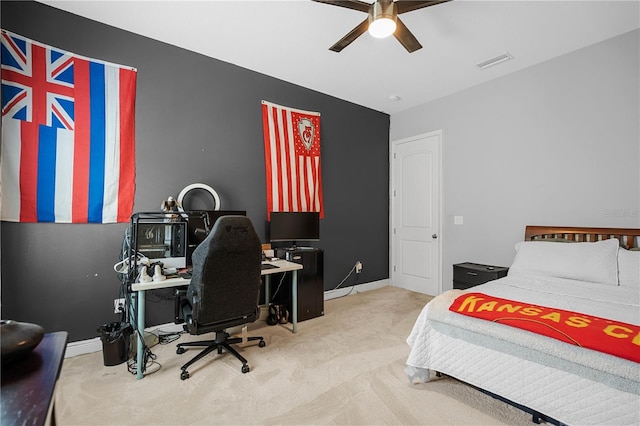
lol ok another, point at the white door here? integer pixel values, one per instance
(415, 213)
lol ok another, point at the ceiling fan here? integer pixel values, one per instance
(383, 17)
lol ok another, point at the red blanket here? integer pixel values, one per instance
(600, 334)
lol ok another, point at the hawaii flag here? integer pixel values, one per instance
(292, 159)
(68, 136)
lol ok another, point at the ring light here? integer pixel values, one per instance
(202, 186)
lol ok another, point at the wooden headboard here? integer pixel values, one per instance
(628, 237)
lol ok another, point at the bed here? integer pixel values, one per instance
(591, 272)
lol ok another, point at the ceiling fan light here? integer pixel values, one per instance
(382, 19)
(382, 27)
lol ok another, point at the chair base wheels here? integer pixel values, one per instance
(221, 342)
(184, 375)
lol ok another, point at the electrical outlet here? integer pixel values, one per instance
(118, 306)
(358, 267)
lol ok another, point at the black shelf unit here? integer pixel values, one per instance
(467, 275)
(310, 282)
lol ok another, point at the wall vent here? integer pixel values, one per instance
(503, 57)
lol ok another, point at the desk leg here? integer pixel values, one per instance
(140, 332)
(294, 300)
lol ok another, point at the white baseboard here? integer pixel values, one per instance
(95, 345)
(82, 347)
(88, 346)
(360, 288)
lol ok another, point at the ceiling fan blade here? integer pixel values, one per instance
(404, 36)
(349, 4)
(409, 5)
(349, 38)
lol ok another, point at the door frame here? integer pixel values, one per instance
(392, 209)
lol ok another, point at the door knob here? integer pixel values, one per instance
(434, 236)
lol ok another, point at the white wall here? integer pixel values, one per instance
(554, 144)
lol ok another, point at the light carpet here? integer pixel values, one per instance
(344, 368)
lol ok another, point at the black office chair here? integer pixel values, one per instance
(224, 288)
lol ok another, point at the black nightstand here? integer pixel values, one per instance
(466, 275)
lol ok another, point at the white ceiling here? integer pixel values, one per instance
(289, 40)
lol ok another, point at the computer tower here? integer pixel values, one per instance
(310, 282)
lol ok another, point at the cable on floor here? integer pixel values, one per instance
(148, 359)
(166, 338)
(336, 288)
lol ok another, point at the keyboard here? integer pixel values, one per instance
(269, 266)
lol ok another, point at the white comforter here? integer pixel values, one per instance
(613, 302)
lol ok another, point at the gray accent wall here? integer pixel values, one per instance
(554, 144)
(197, 120)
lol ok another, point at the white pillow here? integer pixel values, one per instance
(593, 262)
(629, 268)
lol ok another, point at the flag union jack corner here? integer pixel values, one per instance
(292, 159)
(68, 136)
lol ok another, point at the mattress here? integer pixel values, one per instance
(570, 384)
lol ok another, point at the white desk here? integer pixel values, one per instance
(139, 290)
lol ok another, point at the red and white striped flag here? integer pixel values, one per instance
(68, 134)
(292, 159)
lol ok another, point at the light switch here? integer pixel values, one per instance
(458, 220)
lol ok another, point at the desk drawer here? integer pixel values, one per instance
(468, 274)
(461, 285)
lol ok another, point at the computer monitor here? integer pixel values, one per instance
(200, 223)
(294, 226)
(162, 241)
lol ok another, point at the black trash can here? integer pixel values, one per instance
(116, 337)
